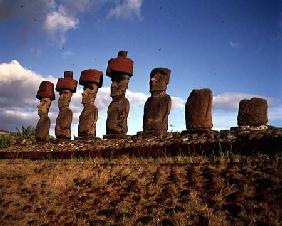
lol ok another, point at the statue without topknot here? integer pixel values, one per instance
(252, 113)
(198, 111)
(46, 95)
(157, 107)
(120, 70)
(91, 79)
(66, 87)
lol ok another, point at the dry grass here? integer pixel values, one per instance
(195, 190)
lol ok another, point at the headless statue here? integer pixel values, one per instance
(157, 107)
(43, 125)
(89, 114)
(64, 119)
(119, 107)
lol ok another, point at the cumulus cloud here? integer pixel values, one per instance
(19, 85)
(59, 23)
(57, 17)
(126, 8)
(177, 103)
(229, 101)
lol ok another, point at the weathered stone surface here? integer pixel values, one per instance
(91, 79)
(91, 76)
(252, 112)
(198, 109)
(119, 70)
(66, 83)
(46, 90)
(157, 107)
(66, 87)
(118, 108)
(45, 94)
(120, 65)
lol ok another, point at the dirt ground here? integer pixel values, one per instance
(183, 190)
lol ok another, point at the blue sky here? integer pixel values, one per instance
(231, 46)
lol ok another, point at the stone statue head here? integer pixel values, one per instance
(43, 107)
(159, 79)
(89, 94)
(119, 85)
(64, 99)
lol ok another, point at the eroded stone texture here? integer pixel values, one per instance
(252, 112)
(198, 109)
(66, 87)
(119, 107)
(119, 70)
(157, 107)
(91, 79)
(45, 94)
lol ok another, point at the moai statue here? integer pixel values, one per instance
(66, 87)
(198, 110)
(252, 113)
(91, 80)
(157, 107)
(119, 70)
(45, 94)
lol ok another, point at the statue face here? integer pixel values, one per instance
(89, 95)
(158, 82)
(119, 87)
(64, 99)
(43, 107)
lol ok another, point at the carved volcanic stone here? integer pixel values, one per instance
(157, 107)
(120, 65)
(119, 70)
(45, 94)
(66, 83)
(198, 109)
(117, 116)
(252, 112)
(91, 79)
(91, 76)
(46, 90)
(66, 87)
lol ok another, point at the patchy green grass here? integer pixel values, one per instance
(194, 190)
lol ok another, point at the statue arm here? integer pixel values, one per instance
(66, 123)
(123, 117)
(167, 110)
(145, 115)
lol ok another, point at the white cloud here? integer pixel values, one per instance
(57, 17)
(178, 103)
(136, 98)
(234, 45)
(18, 87)
(59, 22)
(126, 8)
(229, 101)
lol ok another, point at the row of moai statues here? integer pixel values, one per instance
(198, 108)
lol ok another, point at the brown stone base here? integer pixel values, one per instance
(248, 128)
(63, 138)
(199, 131)
(90, 138)
(116, 136)
(150, 133)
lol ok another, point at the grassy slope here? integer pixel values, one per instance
(196, 190)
